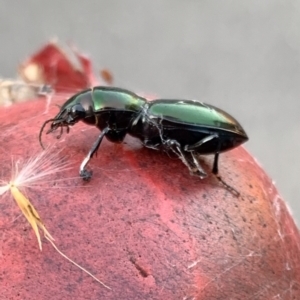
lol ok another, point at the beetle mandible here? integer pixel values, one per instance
(186, 127)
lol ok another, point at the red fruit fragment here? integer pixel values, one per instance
(64, 69)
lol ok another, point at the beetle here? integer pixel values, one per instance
(188, 128)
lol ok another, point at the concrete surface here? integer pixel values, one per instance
(242, 56)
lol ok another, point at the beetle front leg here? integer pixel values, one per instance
(83, 172)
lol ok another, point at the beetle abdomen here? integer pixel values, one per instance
(190, 121)
(196, 113)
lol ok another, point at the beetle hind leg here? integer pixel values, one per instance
(188, 158)
(215, 170)
(200, 143)
(200, 172)
(192, 163)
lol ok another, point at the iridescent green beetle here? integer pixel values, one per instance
(186, 127)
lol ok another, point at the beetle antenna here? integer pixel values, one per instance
(41, 131)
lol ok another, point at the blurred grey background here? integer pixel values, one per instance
(243, 56)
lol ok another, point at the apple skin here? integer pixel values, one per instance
(143, 224)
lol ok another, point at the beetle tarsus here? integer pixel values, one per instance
(228, 187)
(86, 175)
(215, 171)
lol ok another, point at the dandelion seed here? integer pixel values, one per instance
(30, 213)
(37, 168)
(33, 172)
(29, 174)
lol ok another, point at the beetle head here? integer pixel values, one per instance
(68, 116)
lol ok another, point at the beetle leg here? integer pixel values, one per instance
(83, 172)
(192, 148)
(215, 169)
(193, 167)
(184, 159)
(200, 172)
(201, 142)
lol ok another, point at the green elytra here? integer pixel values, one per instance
(191, 112)
(194, 112)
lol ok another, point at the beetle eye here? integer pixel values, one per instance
(77, 111)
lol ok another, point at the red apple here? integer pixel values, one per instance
(143, 225)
